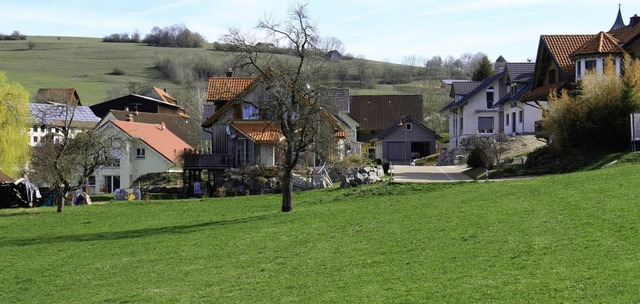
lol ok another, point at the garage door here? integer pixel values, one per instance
(395, 152)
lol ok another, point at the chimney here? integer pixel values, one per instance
(634, 20)
(230, 73)
(129, 118)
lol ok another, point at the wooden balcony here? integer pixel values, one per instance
(195, 160)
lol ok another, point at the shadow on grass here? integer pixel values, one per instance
(121, 235)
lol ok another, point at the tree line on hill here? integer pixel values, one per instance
(177, 35)
(16, 35)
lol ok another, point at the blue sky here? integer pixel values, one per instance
(378, 29)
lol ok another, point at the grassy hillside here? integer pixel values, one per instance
(87, 65)
(564, 238)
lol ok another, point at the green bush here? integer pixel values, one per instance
(478, 158)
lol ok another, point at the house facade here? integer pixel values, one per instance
(473, 109)
(143, 148)
(405, 140)
(519, 117)
(375, 113)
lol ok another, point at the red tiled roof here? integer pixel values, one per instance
(156, 137)
(603, 43)
(227, 88)
(165, 96)
(259, 131)
(562, 46)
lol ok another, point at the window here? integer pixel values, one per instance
(485, 125)
(35, 139)
(579, 68)
(140, 153)
(461, 125)
(250, 112)
(520, 116)
(507, 118)
(408, 126)
(490, 98)
(589, 65)
(42, 129)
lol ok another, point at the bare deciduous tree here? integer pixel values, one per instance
(296, 101)
(362, 68)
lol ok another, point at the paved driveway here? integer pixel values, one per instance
(429, 174)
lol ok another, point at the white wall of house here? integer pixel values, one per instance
(471, 118)
(596, 64)
(525, 117)
(136, 159)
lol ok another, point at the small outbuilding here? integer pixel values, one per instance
(405, 140)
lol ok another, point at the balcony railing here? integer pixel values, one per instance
(195, 160)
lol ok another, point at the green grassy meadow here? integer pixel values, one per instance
(87, 65)
(564, 238)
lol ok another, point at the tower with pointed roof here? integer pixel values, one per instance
(619, 23)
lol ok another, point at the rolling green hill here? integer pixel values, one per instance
(570, 238)
(87, 64)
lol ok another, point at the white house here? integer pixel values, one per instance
(472, 111)
(519, 116)
(144, 148)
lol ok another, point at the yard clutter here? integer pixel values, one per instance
(357, 176)
(19, 193)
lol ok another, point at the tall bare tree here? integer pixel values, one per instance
(362, 68)
(67, 157)
(296, 101)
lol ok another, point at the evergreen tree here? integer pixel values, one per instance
(484, 70)
(14, 113)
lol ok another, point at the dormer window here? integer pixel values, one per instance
(490, 98)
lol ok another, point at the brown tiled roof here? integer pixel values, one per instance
(227, 88)
(627, 33)
(602, 43)
(156, 137)
(562, 46)
(259, 131)
(65, 96)
(165, 96)
(542, 93)
(376, 112)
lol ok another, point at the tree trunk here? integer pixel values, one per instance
(60, 201)
(287, 191)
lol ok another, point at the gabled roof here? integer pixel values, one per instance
(463, 88)
(395, 124)
(157, 137)
(601, 44)
(520, 72)
(66, 96)
(164, 96)
(227, 88)
(375, 112)
(484, 84)
(258, 131)
(561, 47)
(177, 124)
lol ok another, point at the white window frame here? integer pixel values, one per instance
(141, 153)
